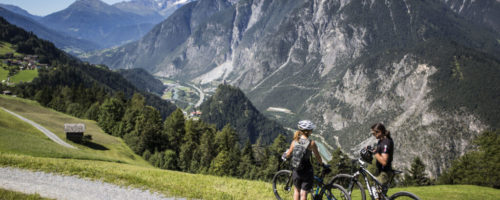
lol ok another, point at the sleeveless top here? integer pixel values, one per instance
(307, 168)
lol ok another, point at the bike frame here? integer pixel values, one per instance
(365, 173)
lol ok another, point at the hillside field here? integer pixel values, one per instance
(110, 160)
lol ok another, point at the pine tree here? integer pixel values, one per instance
(134, 108)
(479, 167)
(417, 174)
(221, 165)
(190, 143)
(148, 126)
(340, 164)
(226, 139)
(207, 149)
(93, 112)
(110, 114)
(170, 160)
(173, 131)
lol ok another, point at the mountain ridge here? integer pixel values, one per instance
(99, 22)
(68, 43)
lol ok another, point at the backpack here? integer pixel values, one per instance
(298, 152)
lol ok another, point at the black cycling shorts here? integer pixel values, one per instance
(303, 181)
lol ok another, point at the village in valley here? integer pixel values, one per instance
(14, 64)
(15, 67)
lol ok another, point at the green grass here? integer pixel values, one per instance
(24, 76)
(167, 95)
(170, 183)
(7, 48)
(438, 192)
(30, 141)
(3, 74)
(12, 195)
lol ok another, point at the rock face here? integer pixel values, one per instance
(416, 66)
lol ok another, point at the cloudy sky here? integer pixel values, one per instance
(45, 7)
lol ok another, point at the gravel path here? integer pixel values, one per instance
(45, 131)
(68, 187)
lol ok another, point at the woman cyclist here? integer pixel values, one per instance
(303, 177)
(383, 152)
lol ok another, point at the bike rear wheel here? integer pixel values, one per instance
(333, 192)
(344, 180)
(403, 196)
(283, 185)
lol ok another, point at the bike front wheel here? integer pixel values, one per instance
(350, 184)
(283, 185)
(333, 192)
(403, 196)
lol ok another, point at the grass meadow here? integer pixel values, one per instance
(30, 141)
(22, 146)
(24, 76)
(6, 47)
(3, 74)
(12, 195)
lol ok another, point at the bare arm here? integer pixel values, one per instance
(289, 152)
(316, 152)
(382, 158)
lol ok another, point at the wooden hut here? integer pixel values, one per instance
(74, 132)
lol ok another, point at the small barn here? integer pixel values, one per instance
(74, 132)
(7, 92)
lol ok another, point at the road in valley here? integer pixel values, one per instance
(202, 95)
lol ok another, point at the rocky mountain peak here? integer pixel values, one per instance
(89, 3)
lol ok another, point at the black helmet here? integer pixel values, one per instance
(366, 155)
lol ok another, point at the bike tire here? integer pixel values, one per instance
(333, 192)
(403, 196)
(283, 185)
(336, 179)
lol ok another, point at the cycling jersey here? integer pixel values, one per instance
(385, 145)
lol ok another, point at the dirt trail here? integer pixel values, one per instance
(68, 187)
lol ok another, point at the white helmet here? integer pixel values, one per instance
(306, 125)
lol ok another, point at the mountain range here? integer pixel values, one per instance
(88, 25)
(61, 40)
(423, 68)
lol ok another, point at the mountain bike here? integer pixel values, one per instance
(283, 186)
(377, 190)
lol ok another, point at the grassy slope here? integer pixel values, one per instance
(12, 195)
(32, 150)
(3, 74)
(24, 76)
(439, 192)
(6, 47)
(30, 141)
